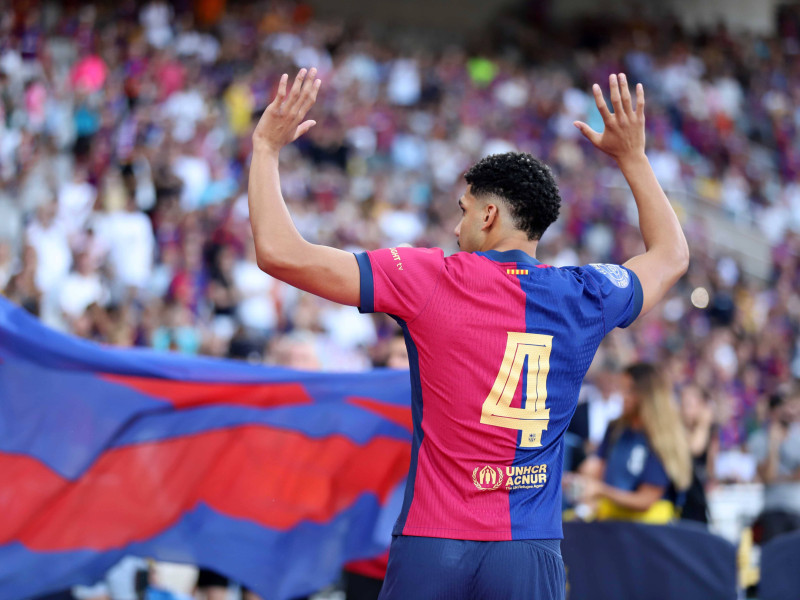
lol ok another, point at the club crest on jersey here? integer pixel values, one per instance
(487, 478)
(615, 274)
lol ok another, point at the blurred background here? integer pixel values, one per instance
(125, 140)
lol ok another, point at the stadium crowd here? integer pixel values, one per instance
(124, 145)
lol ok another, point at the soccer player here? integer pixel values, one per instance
(498, 345)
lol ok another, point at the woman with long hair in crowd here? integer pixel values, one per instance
(643, 466)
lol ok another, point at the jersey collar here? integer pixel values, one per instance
(509, 256)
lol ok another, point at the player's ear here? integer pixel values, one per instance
(490, 213)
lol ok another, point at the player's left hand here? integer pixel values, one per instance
(623, 136)
(282, 121)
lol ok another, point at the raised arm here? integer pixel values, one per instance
(280, 249)
(666, 255)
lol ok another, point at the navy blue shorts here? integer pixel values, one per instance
(423, 568)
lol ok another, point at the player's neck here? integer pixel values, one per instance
(512, 243)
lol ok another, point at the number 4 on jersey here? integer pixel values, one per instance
(534, 418)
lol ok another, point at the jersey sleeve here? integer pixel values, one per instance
(619, 292)
(399, 281)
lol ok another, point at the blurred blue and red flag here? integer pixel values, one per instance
(272, 477)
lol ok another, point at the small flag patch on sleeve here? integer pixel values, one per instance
(517, 271)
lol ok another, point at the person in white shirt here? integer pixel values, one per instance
(82, 288)
(75, 202)
(129, 237)
(49, 239)
(604, 403)
(258, 307)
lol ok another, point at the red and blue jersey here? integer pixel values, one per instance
(498, 344)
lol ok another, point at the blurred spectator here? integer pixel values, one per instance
(177, 331)
(258, 293)
(698, 418)
(347, 328)
(81, 288)
(211, 585)
(22, 288)
(76, 200)
(6, 263)
(222, 294)
(643, 463)
(124, 581)
(296, 351)
(398, 352)
(49, 240)
(777, 449)
(128, 235)
(603, 403)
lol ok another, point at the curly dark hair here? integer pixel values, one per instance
(524, 183)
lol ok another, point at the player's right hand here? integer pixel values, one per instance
(282, 121)
(623, 135)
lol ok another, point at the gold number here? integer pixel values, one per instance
(497, 409)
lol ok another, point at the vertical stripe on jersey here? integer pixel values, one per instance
(416, 417)
(544, 501)
(447, 501)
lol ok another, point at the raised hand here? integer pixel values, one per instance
(623, 135)
(282, 121)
